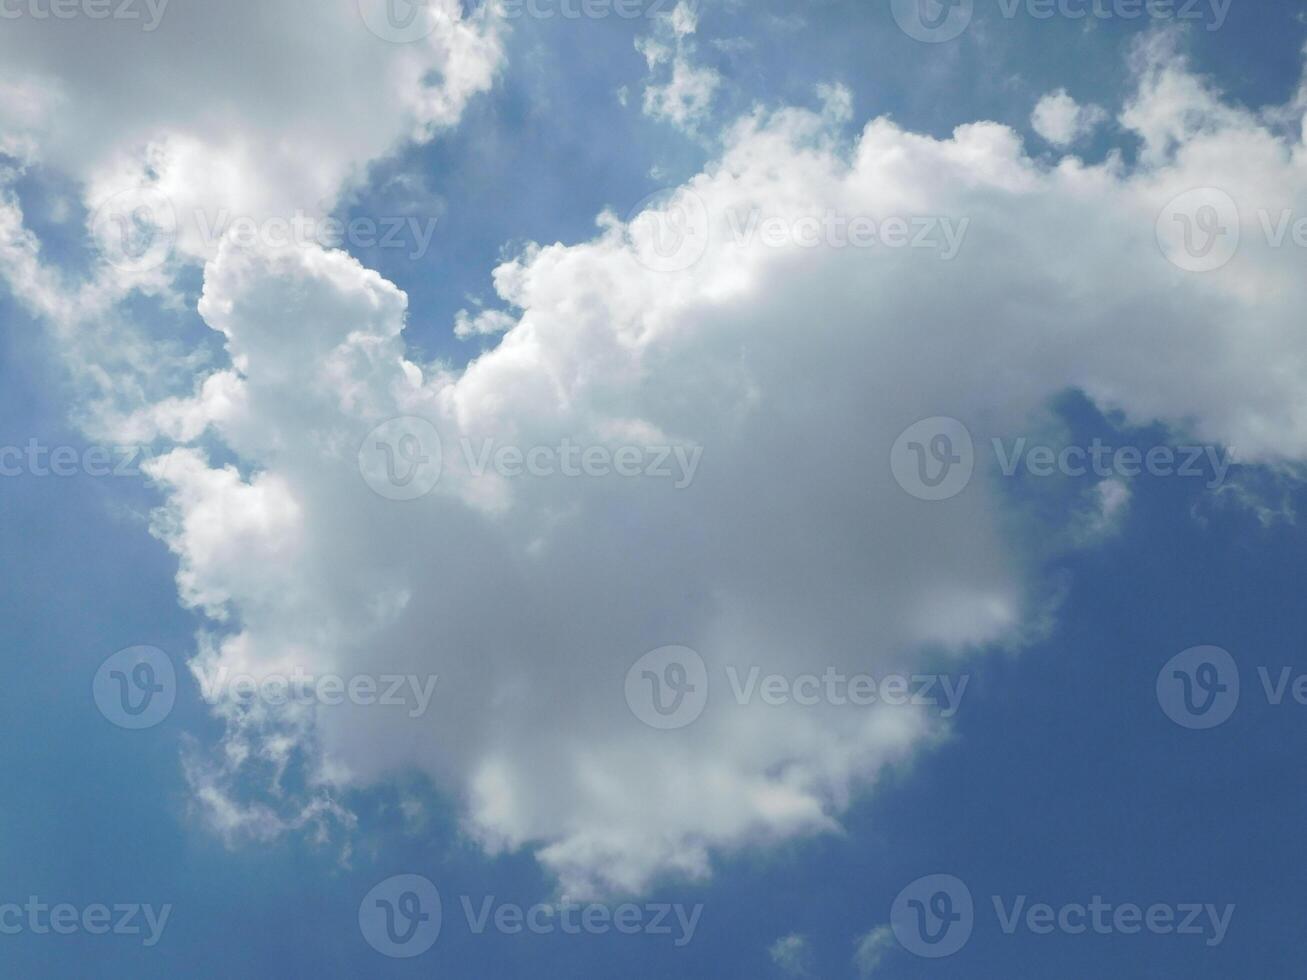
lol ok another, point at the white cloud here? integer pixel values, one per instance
(1111, 500)
(872, 949)
(225, 111)
(1061, 120)
(482, 323)
(261, 109)
(686, 96)
(793, 550)
(792, 955)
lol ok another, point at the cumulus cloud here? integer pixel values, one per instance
(259, 109)
(1061, 120)
(686, 95)
(792, 363)
(220, 114)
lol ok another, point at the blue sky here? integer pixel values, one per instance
(1060, 778)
